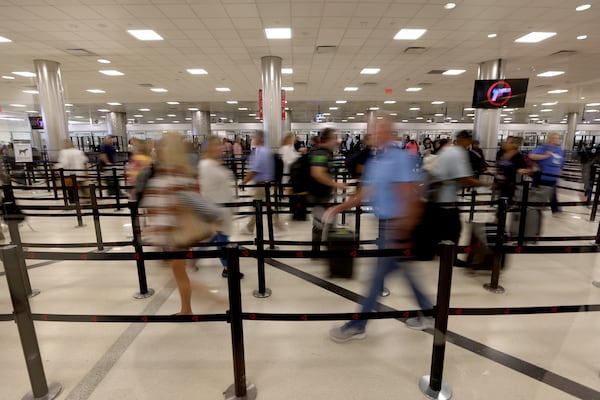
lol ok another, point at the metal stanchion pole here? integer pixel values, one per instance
(144, 292)
(472, 209)
(63, 186)
(99, 178)
(269, 216)
(22, 311)
(493, 286)
(523, 213)
(75, 189)
(596, 199)
(96, 213)
(345, 180)
(46, 175)
(357, 214)
(241, 389)
(432, 385)
(262, 290)
(117, 188)
(54, 188)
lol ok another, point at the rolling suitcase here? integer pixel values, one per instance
(533, 223)
(341, 239)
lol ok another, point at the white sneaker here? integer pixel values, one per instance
(345, 333)
(420, 323)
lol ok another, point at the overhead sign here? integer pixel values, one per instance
(23, 152)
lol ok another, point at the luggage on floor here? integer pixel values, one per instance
(341, 239)
(298, 206)
(533, 223)
(483, 239)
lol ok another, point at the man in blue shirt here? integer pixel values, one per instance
(392, 185)
(551, 159)
(261, 169)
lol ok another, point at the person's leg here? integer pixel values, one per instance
(554, 200)
(259, 194)
(183, 284)
(420, 296)
(221, 237)
(317, 227)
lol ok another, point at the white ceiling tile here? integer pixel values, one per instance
(209, 9)
(80, 12)
(176, 11)
(372, 9)
(277, 10)
(187, 23)
(46, 12)
(242, 10)
(305, 22)
(144, 11)
(111, 11)
(330, 36)
(307, 9)
(156, 24)
(218, 23)
(247, 23)
(199, 34)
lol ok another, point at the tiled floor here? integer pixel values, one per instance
(491, 357)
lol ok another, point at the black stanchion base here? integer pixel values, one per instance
(444, 394)
(139, 295)
(81, 226)
(497, 290)
(251, 392)
(34, 292)
(596, 283)
(385, 292)
(54, 390)
(260, 295)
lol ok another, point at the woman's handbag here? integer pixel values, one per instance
(197, 221)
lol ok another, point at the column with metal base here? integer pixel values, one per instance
(432, 385)
(22, 311)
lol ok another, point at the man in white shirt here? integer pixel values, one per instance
(74, 162)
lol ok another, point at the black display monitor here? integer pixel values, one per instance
(497, 93)
(36, 122)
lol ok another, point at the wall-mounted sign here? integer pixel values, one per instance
(23, 152)
(496, 93)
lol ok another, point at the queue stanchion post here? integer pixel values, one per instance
(493, 286)
(472, 207)
(344, 192)
(22, 312)
(117, 187)
(357, 215)
(96, 216)
(54, 188)
(75, 189)
(269, 205)
(262, 291)
(63, 186)
(13, 217)
(596, 199)
(99, 179)
(47, 176)
(432, 385)
(144, 292)
(523, 213)
(240, 389)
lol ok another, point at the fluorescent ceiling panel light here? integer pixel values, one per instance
(419, 117)
(393, 114)
(25, 74)
(583, 7)
(404, 120)
(350, 89)
(31, 91)
(159, 90)
(558, 91)
(535, 37)
(188, 119)
(32, 111)
(252, 115)
(144, 34)
(344, 120)
(243, 108)
(334, 108)
(582, 37)
(379, 117)
(172, 102)
(492, 35)
(592, 104)
(278, 33)
(409, 34)
(437, 102)
(213, 115)
(143, 109)
(287, 71)
(197, 71)
(103, 110)
(591, 110)
(351, 117)
(8, 77)
(551, 73)
(454, 72)
(68, 105)
(223, 89)
(326, 114)
(114, 104)
(470, 115)
(546, 110)
(288, 88)
(232, 102)
(373, 108)
(111, 72)
(4, 40)
(533, 115)
(175, 122)
(171, 115)
(389, 102)
(138, 116)
(160, 119)
(96, 91)
(439, 115)
(341, 101)
(193, 109)
(81, 116)
(17, 105)
(469, 109)
(414, 89)
(449, 6)
(415, 108)
(360, 114)
(550, 103)
(150, 122)
(103, 61)
(370, 71)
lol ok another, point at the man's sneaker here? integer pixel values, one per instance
(225, 274)
(420, 323)
(346, 332)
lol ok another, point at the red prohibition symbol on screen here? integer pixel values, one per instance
(499, 93)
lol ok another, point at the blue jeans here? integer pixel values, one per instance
(553, 198)
(221, 237)
(386, 265)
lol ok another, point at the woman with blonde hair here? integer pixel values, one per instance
(173, 173)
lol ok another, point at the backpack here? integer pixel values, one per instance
(300, 174)
(278, 167)
(141, 181)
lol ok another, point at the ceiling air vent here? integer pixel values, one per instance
(415, 50)
(564, 53)
(437, 71)
(80, 52)
(325, 49)
(300, 83)
(424, 84)
(148, 85)
(369, 84)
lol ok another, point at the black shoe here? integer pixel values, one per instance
(225, 273)
(460, 263)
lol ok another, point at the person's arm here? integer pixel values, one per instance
(409, 194)
(539, 154)
(355, 200)
(321, 175)
(249, 176)
(104, 158)
(470, 181)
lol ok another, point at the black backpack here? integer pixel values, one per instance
(278, 167)
(300, 178)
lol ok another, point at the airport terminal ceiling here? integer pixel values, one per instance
(331, 43)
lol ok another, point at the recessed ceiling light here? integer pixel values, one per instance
(437, 102)
(389, 102)
(188, 119)
(96, 91)
(558, 91)
(439, 115)
(213, 115)
(373, 108)
(582, 37)
(172, 102)
(223, 89)
(68, 105)
(550, 103)
(414, 89)
(278, 33)
(449, 6)
(160, 119)
(359, 114)
(175, 122)
(111, 72)
(415, 108)
(114, 104)
(327, 114)
(252, 115)
(535, 37)
(159, 90)
(546, 110)
(419, 117)
(25, 74)
(143, 109)
(533, 115)
(103, 61)
(197, 71)
(171, 115)
(334, 108)
(150, 122)
(370, 71)
(287, 71)
(583, 7)
(31, 91)
(393, 114)
(138, 116)
(8, 77)
(409, 34)
(492, 35)
(17, 105)
(404, 120)
(551, 73)
(591, 110)
(243, 108)
(351, 117)
(103, 110)
(4, 40)
(592, 104)
(144, 34)
(350, 89)
(469, 109)
(341, 101)
(454, 72)
(344, 120)
(193, 109)
(288, 88)
(232, 102)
